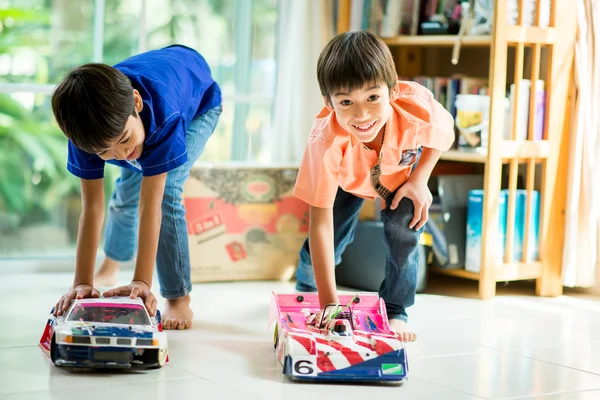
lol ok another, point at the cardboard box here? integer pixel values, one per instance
(244, 223)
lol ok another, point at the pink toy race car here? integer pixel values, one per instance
(346, 343)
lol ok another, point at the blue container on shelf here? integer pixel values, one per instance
(534, 225)
(474, 228)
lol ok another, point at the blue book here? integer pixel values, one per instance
(534, 225)
(474, 230)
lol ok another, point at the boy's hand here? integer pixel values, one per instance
(133, 290)
(78, 292)
(317, 319)
(418, 192)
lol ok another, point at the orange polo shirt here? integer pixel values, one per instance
(335, 158)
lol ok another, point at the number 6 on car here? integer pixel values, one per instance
(355, 344)
(305, 366)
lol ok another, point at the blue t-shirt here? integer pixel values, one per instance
(176, 85)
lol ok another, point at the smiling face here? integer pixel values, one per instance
(363, 112)
(129, 145)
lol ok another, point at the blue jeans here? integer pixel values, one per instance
(402, 248)
(173, 255)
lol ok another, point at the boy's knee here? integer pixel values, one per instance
(173, 193)
(397, 228)
(122, 207)
(399, 234)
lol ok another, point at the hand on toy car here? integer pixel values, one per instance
(78, 292)
(317, 320)
(136, 289)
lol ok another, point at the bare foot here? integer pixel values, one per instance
(401, 328)
(108, 275)
(178, 314)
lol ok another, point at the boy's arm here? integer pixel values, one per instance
(322, 253)
(150, 216)
(90, 228)
(427, 161)
(151, 196)
(416, 188)
(88, 237)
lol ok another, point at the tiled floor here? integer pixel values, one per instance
(514, 347)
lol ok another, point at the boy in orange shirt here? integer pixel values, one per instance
(366, 143)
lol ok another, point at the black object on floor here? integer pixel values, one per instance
(363, 261)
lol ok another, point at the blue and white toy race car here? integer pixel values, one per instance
(115, 332)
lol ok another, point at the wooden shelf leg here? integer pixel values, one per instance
(550, 284)
(558, 117)
(487, 288)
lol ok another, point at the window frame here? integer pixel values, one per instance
(242, 100)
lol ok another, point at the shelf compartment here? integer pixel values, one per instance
(514, 149)
(530, 35)
(515, 34)
(509, 150)
(503, 273)
(438, 41)
(464, 156)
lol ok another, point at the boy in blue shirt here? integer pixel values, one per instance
(151, 115)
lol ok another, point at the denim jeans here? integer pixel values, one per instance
(402, 251)
(121, 235)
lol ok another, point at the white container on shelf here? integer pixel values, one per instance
(472, 120)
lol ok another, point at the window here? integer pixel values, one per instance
(43, 39)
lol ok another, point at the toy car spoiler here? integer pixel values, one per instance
(285, 303)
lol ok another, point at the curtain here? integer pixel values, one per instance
(580, 256)
(304, 28)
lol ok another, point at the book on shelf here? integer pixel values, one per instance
(474, 228)
(389, 18)
(445, 89)
(523, 118)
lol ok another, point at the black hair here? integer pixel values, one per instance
(92, 105)
(352, 60)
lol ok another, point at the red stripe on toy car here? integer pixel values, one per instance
(365, 345)
(382, 347)
(324, 363)
(352, 356)
(305, 342)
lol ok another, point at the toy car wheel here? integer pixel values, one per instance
(162, 357)
(276, 336)
(53, 350)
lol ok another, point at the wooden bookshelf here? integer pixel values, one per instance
(503, 273)
(510, 54)
(509, 150)
(438, 41)
(464, 156)
(514, 35)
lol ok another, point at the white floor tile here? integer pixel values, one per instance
(28, 369)
(430, 344)
(505, 332)
(583, 355)
(514, 346)
(20, 330)
(499, 375)
(180, 389)
(273, 385)
(587, 395)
